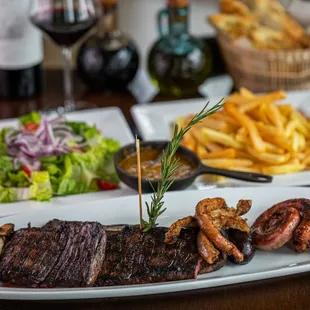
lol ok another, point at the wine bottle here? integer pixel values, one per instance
(21, 52)
(108, 60)
(178, 63)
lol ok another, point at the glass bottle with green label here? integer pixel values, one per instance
(178, 63)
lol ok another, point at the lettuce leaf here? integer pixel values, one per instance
(13, 194)
(6, 163)
(7, 195)
(3, 148)
(41, 188)
(17, 179)
(77, 172)
(31, 118)
(9, 177)
(72, 187)
(83, 129)
(6, 166)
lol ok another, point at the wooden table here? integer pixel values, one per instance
(283, 293)
(52, 96)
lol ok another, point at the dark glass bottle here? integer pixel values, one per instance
(21, 52)
(178, 63)
(108, 60)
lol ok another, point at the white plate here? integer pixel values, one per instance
(125, 210)
(113, 124)
(110, 121)
(154, 123)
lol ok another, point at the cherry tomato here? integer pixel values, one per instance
(32, 126)
(106, 186)
(26, 170)
(76, 149)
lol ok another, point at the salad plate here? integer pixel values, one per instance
(154, 122)
(112, 124)
(123, 210)
(111, 121)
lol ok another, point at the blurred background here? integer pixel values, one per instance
(138, 18)
(158, 62)
(77, 54)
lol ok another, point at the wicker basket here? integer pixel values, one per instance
(264, 71)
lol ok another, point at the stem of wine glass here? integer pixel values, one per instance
(69, 103)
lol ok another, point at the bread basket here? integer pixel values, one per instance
(264, 71)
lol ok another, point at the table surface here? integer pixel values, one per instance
(52, 97)
(291, 292)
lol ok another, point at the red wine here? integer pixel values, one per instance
(21, 52)
(63, 26)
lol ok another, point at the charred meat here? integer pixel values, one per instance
(283, 222)
(301, 237)
(81, 254)
(212, 217)
(213, 214)
(68, 254)
(243, 241)
(134, 257)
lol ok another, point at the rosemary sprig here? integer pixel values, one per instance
(169, 164)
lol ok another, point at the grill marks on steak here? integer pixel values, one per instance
(59, 254)
(78, 254)
(133, 257)
(82, 258)
(29, 257)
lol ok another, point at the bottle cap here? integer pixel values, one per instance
(108, 2)
(178, 3)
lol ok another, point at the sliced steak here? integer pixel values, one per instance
(207, 268)
(53, 225)
(133, 257)
(66, 254)
(29, 257)
(81, 260)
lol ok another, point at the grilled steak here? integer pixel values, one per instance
(220, 263)
(59, 254)
(78, 254)
(133, 257)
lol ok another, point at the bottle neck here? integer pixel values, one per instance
(108, 22)
(178, 21)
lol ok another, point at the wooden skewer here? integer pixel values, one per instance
(139, 178)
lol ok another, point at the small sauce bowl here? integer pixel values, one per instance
(195, 168)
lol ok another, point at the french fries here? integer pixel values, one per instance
(249, 125)
(252, 133)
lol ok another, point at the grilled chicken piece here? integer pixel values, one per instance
(224, 217)
(213, 215)
(243, 206)
(175, 229)
(6, 232)
(205, 247)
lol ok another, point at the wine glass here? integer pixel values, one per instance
(65, 22)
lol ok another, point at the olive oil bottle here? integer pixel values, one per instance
(178, 63)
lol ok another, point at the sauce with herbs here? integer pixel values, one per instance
(151, 166)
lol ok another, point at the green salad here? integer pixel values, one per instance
(45, 157)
